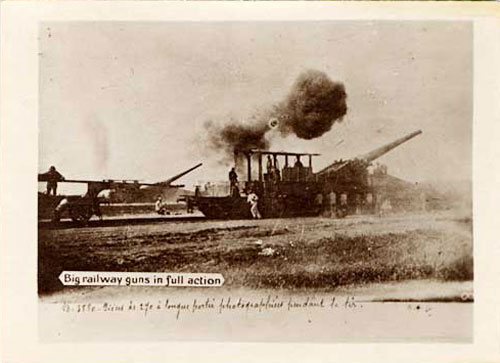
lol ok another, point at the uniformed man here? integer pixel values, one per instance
(318, 201)
(52, 177)
(298, 163)
(234, 191)
(233, 177)
(269, 165)
(277, 175)
(333, 203)
(189, 205)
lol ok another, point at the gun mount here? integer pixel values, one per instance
(349, 181)
(295, 190)
(82, 208)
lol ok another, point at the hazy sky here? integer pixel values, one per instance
(128, 100)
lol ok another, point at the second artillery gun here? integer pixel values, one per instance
(297, 190)
(81, 208)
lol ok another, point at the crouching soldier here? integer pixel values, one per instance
(160, 207)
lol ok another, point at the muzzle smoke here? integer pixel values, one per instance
(313, 106)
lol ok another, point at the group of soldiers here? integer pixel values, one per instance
(328, 206)
(325, 204)
(52, 176)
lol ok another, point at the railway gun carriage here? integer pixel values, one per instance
(282, 193)
(81, 208)
(344, 187)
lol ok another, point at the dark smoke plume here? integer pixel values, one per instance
(314, 104)
(237, 136)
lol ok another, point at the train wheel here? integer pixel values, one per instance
(80, 213)
(56, 217)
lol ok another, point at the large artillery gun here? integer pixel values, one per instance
(295, 190)
(368, 157)
(350, 182)
(80, 208)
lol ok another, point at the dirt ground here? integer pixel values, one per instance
(298, 253)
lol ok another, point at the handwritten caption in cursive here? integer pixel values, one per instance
(216, 305)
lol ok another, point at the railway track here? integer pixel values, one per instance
(115, 222)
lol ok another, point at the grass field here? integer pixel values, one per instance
(299, 253)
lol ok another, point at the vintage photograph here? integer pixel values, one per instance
(256, 181)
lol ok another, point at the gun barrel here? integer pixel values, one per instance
(174, 178)
(375, 154)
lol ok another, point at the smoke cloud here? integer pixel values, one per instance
(312, 107)
(235, 135)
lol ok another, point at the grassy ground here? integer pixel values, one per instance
(302, 253)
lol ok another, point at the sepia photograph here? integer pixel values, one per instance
(250, 181)
(304, 173)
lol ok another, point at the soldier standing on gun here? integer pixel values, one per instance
(233, 177)
(233, 181)
(52, 177)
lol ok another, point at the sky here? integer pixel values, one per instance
(129, 100)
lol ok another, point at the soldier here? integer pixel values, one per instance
(253, 199)
(52, 177)
(277, 175)
(189, 205)
(233, 178)
(298, 163)
(318, 201)
(385, 208)
(276, 172)
(342, 210)
(269, 165)
(159, 207)
(235, 191)
(333, 203)
(233, 181)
